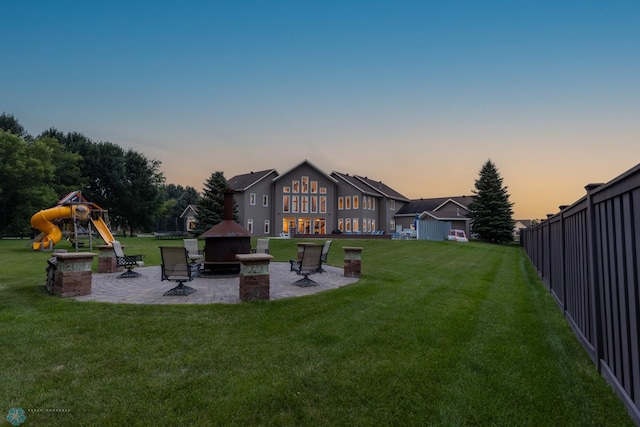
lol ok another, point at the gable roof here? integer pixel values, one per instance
(356, 183)
(381, 188)
(193, 208)
(245, 181)
(311, 165)
(433, 204)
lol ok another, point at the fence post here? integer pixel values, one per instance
(563, 260)
(594, 273)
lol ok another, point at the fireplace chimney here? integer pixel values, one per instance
(224, 240)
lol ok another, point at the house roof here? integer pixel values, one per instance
(356, 183)
(245, 181)
(308, 163)
(444, 216)
(193, 208)
(382, 188)
(433, 204)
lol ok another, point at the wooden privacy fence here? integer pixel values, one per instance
(588, 257)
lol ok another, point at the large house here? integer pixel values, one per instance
(307, 200)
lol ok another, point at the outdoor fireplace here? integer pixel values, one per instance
(224, 241)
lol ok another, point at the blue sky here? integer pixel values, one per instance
(416, 94)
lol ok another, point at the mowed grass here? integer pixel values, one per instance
(434, 333)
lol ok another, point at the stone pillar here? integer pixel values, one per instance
(72, 276)
(352, 261)
(107, 262)
(254, 276)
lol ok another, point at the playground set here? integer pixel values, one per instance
(73, 217)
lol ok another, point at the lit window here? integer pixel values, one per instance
(340, 203)
(356, 202)
(347, 202)
(285, 204)
(323, 204)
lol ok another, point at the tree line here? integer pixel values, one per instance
(36, 172)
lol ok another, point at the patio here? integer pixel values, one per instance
(149, 289)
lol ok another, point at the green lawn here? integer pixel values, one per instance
(434, 333)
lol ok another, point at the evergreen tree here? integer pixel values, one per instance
(211, 205)
(490, 211)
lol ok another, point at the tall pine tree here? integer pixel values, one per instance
(490, 212)
(211, 205)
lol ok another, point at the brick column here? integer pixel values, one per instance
(107, 262)
(352, 261)
(254, 276)
(72, 276)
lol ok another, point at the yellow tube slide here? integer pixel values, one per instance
(52, 234)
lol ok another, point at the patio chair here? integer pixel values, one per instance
(262, 247)
(176, 267)
(193, 251)
(310, 263)
(325, 253)
(126, 261)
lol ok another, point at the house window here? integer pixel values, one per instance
(373, 225)
(341, 224)
(347, 225)
(267, 228)
(392, 205)
(285, 204)
(340, 203)
(250, 225)
(356, 224)
(373, 204)
(294, 204)
(392, 225)
(265, 200)
(356, 202)
(323, 190)
(319, 226)
(252, 199)
(314, 186)
(286, 189)
(288, 224)
(304, 225)
(323, 204)
(305, 184)
(314, 204)
(295, 185)
(304, 201)
(347, 202)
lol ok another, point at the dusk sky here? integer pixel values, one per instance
(417, 94)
